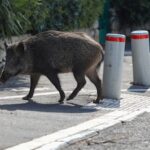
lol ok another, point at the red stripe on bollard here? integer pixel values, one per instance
(140, 36)
(115, 39)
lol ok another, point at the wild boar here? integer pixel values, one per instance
(52, 52)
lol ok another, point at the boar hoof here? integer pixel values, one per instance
(97, 101)
(62, 97)
(61, 102)
(26, 98)
(70, 97)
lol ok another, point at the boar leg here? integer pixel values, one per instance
(53, 77)
(80, 78)
(34, 80)
(93, 77)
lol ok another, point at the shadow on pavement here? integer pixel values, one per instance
(57, 108)
(138, 88)
(110, 103)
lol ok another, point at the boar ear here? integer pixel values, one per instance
(21, 48)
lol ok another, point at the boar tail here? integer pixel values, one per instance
(100, 62)
(99, 65)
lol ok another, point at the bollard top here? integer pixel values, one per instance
(139, 34)
(115, 37)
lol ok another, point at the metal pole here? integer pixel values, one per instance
(113, 62)
(104, 25)
(140, 57)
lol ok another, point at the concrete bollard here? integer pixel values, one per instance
(113, 62)
(140, 57)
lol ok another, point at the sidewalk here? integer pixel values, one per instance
(132, 131)
(126, 135)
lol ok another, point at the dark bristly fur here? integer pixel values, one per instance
(53, 52)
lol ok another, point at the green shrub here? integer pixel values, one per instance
(21, 16)
(58, 14)
(132, 13)
(9, 20)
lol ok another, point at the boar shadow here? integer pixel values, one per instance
(58, 108)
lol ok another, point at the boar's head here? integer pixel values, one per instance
(15, 61)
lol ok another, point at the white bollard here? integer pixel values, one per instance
(113, 62)
(140, 57)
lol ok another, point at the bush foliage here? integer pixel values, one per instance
(132, 13)
(9, 19)
(39, 15)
